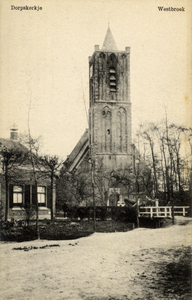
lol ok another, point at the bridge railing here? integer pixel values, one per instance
(162, 211)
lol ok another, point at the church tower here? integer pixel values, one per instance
(110, 106)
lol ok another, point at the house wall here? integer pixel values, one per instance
(29, 194)
(23, 176)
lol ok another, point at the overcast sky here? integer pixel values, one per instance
(44, 59)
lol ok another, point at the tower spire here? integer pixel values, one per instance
(109, 42)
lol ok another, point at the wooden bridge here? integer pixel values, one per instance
(162, 211)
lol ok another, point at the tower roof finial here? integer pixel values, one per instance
(109, 42)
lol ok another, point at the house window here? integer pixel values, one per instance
(41, 195)
(17, 194)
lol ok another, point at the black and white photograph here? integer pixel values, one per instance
(95, 149)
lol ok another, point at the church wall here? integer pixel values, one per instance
(101, 64)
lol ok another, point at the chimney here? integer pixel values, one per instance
(14, 133)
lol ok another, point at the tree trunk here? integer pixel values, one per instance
(52, 175)
(154, 168)
(173, 220)
(37, 211)
(6, 191)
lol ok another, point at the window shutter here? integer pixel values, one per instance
(49, 197)
(27, 194)
(34, 195)
(10, 195)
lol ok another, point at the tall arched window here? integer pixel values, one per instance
(106, 141)
(101, 77)
(102, 55)
(122, 130)
(123, 77)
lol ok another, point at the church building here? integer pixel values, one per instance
(109, 105)
(108, 141)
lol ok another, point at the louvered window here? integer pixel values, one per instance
(112, 78)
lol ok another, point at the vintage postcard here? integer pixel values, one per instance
(95, 149)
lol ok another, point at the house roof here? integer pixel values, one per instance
(25, 164)
(12, 144)
(109, 42)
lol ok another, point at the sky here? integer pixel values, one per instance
(44, 64)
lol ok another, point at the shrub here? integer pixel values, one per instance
(121, 214)
(19, 234)
(5, 225)
(101, 213)
(124, 214)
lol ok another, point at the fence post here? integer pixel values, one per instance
(184, 211)
(165, 212)
(151, 211)
(170, 212)
(157, 207)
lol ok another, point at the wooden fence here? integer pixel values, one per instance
(162, 211)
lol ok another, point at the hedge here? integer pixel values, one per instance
(116, 213)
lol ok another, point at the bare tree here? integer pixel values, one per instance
(147, 132)
(169, 163)
(12, 158)
(49, 166)
(74, 188)
(33, 145)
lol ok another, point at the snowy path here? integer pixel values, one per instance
(102, 266)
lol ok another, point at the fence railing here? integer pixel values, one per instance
(162, 211)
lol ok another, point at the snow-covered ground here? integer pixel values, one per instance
(121, 265)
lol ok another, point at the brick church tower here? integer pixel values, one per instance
(110, 106)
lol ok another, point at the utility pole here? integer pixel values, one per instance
(37, 208)
(137, 212)
(5, 161)
(35, 182)
(6, 187)
(173, 218)
(136, 186)
(93, 186)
